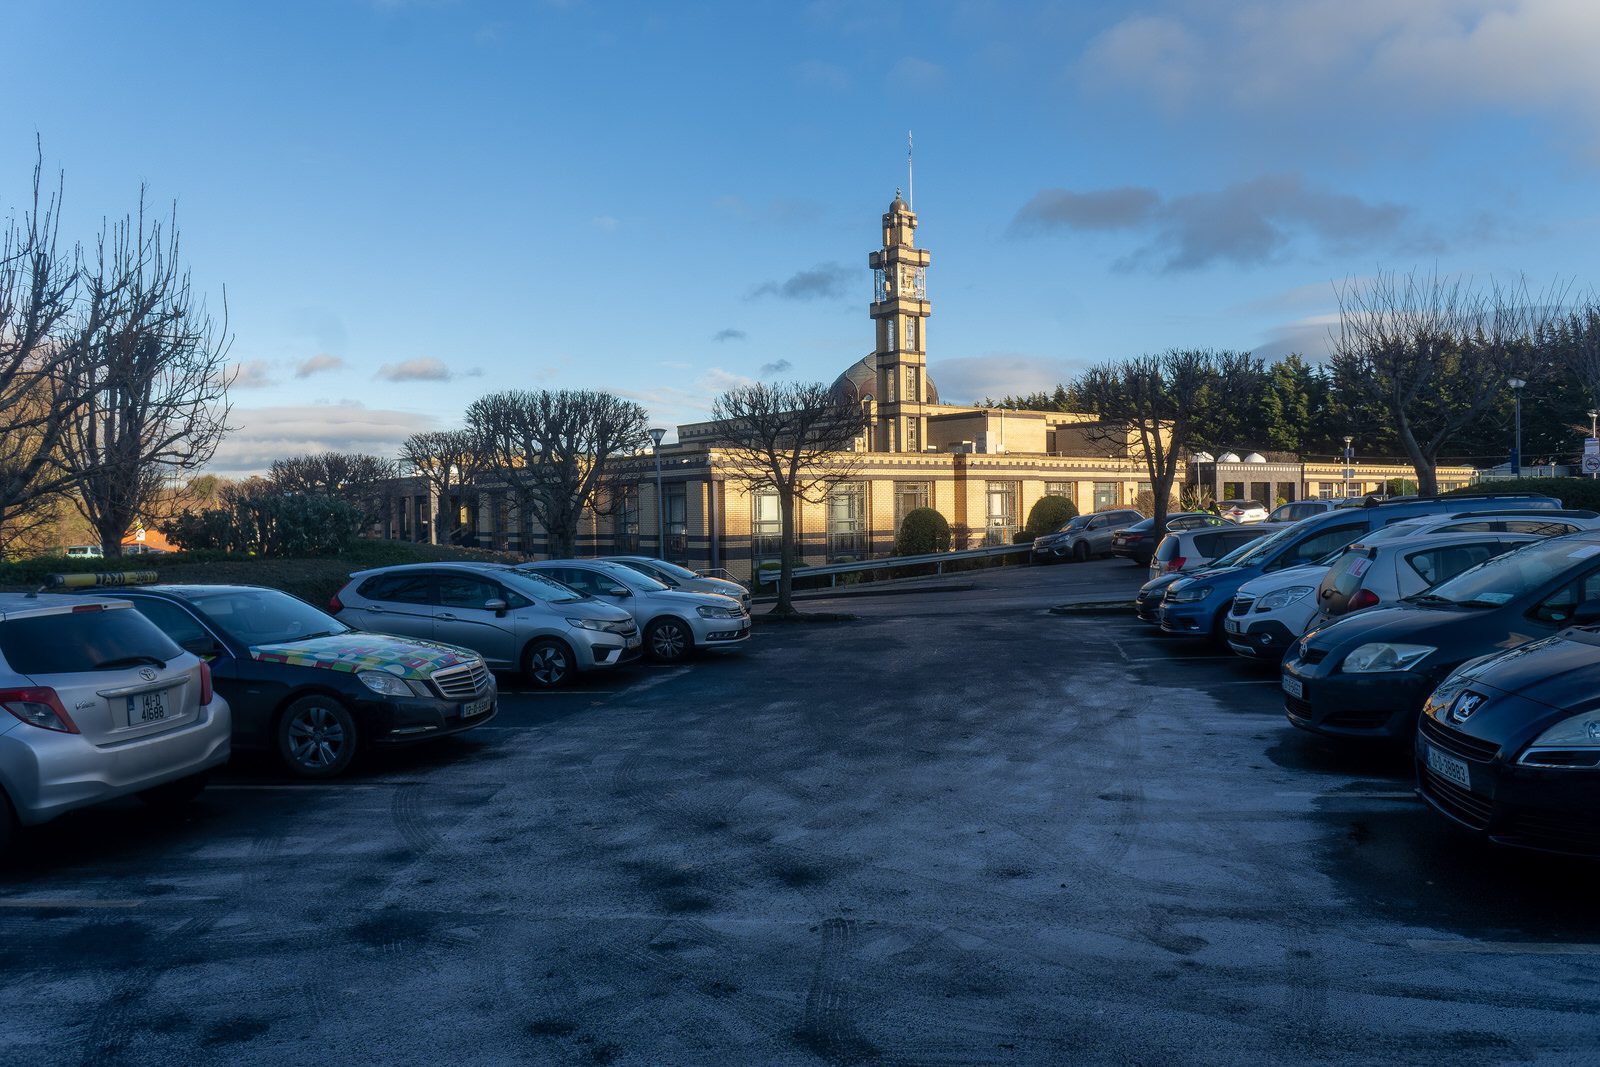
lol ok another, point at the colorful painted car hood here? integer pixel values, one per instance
(366, 652)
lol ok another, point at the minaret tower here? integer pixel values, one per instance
(900, 311)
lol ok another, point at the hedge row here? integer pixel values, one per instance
(1572, 492)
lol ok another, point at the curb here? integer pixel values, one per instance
(1094, 607)
(884, 590)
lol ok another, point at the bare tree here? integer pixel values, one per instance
(450, 462)
(154, 381)
(1435, 354)
(359, 479)
(793, 438)
(1578, 336)
(553, 448)
(41, 326)
(1151, 408)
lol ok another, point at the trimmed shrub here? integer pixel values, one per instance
(268, 524)
(1572, 492)
(924, 530)
(1047, 515)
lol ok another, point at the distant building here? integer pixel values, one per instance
(981, 468)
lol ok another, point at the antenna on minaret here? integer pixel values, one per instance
(911, 192)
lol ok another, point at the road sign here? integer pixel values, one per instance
(1591, 463)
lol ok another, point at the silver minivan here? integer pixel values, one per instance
(513, 619)
(1189, 550)
(98, 703)
(674, 623)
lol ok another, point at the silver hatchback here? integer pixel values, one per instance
(675, 623)
(98, 704)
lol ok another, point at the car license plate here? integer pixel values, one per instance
(633, 642)
(144, 708)
(1294, 687)
(477, 707)
(1233, 626)
(1449, 768)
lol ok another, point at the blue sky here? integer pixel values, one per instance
(413, 203)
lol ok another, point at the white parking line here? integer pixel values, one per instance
(1505, 948)
(67, 902)
(293, 787)
(1375, 794)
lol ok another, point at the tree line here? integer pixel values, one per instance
(1419, 369)
(113, 372)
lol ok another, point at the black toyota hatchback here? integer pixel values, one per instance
(1367, 675)
(1509, 745)
(305, 686)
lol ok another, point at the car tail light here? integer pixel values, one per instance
(335, 605)
(38, 707)
(1364, 598)
(205, 683)
(1175, 565)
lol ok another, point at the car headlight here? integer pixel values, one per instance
(1554, 749)
(388, 684)
(1382, 656)
(718, 612)
(1187, 594)
(588, 624)
(1283, 597)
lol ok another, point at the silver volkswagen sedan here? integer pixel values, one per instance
(98, 704)
(675, 623)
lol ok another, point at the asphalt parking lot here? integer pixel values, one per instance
(959, 829)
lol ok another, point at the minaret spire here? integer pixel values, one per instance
(911, 195)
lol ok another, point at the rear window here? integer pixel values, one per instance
(1167, 550)
(83, 641)
(1205, 544)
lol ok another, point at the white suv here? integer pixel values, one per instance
(1243, 511)
(96, 703)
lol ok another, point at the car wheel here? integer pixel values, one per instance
(176, 794)
(547, 663)
(1080, 552)
(669, 641)
(316, 737)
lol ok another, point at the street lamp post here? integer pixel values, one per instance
(1594, 414)
(1516, 449)
(656, 434)
(1348, 454)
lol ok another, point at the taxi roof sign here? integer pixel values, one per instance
(100, 580)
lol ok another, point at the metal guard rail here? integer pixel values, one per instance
(769, 576)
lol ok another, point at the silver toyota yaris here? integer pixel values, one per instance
(96, 703)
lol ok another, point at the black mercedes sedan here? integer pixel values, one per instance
(307, 687)
(1509, 745)
(1367, 675)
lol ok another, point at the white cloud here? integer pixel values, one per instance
(422, 369)
(251, 374)
(968, 379)
(317, 364)
(914, 73)
(1522, 55)
(264, 434)
(605, 223)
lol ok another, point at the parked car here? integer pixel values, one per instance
(513, 619)
(1296, 510)
(1138, 542)
(1243, 511)
(1508, 745)
(1367, 675)
(675, 623)
(1269, 612)
(1147, 603)
(100, 704)
(306, 687)
(1083, 536)
(85, 552)
(1196, 606)
(675, 577)
(1191, 550)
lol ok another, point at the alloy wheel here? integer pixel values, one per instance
(668, 641)
(547, 665)
(316, 738)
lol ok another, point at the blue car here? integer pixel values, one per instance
(1198, 605)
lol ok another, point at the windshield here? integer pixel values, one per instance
(673, 569)
(638, 582)
(1077, 523)
(1252, 552)
(266, 616)
(539, 587)
(1504, 578)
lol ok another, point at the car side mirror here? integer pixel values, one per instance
(497, 606)
(1586, 613)
(617, 591)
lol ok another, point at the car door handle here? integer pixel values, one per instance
(445, 615)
